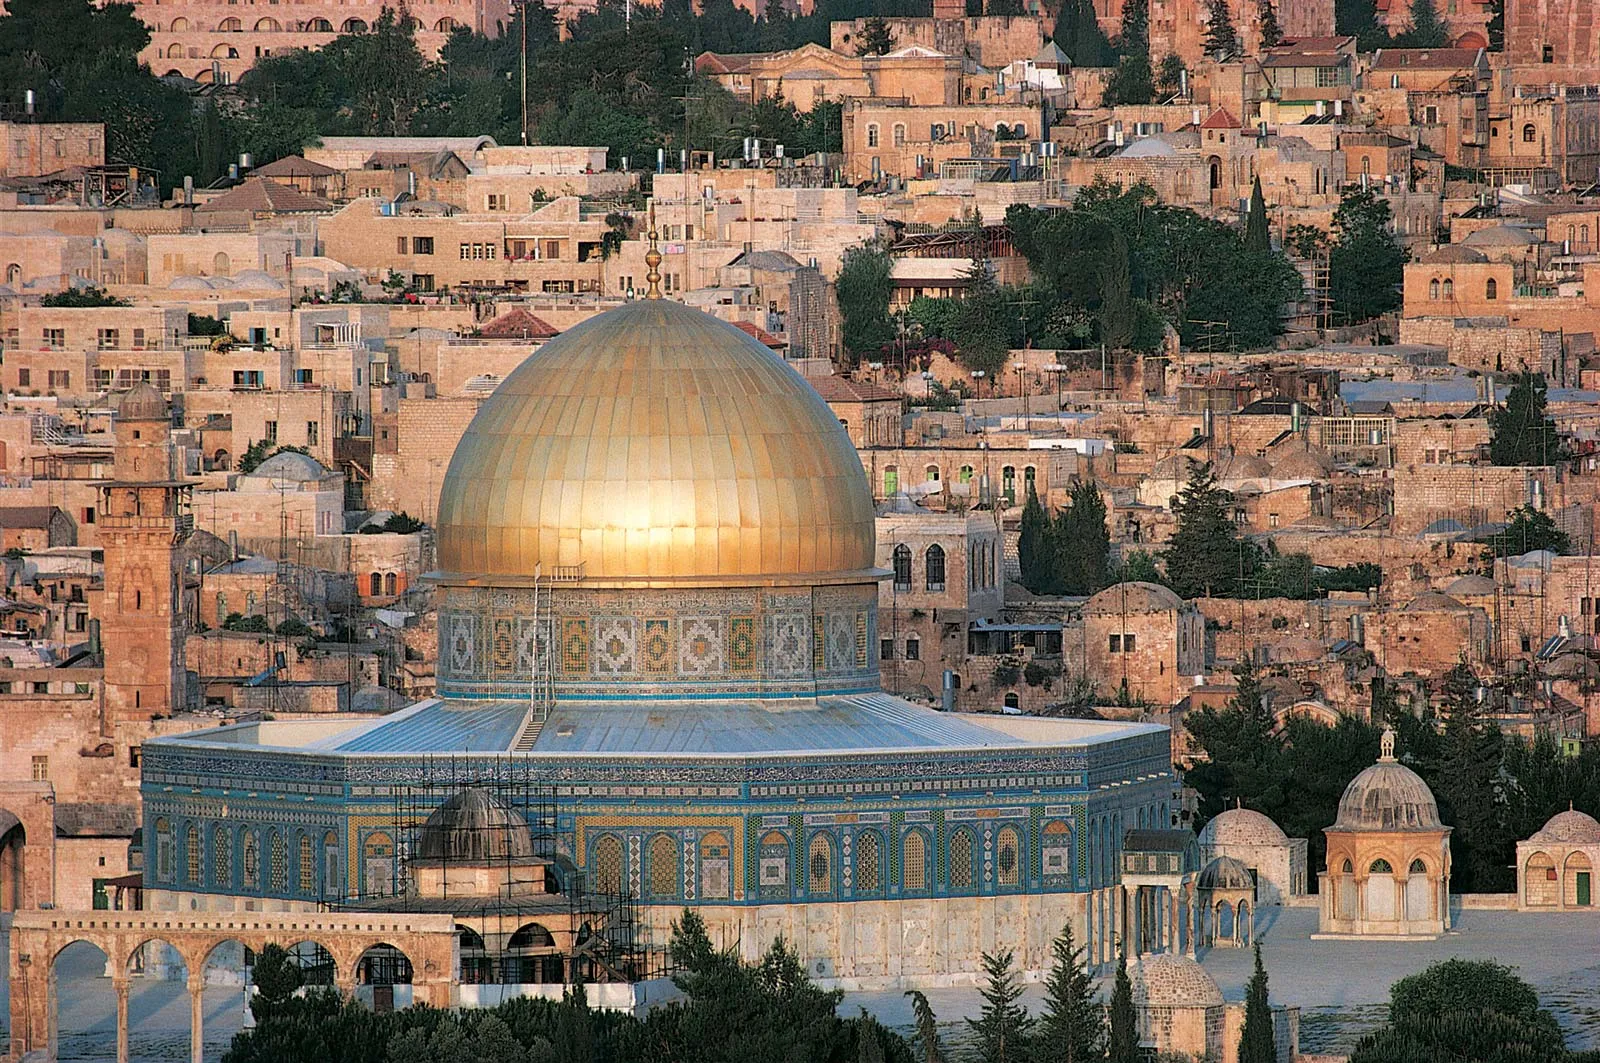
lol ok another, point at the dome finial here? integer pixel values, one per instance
(1386, 746)
(652, 259)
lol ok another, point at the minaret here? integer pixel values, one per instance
(144, 517)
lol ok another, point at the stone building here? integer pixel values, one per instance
(33, 149)
(1555, 867)
(871, 414)
(35, 528)
(888, 137)
(1276, 862)
(1182, 1013)
(1388, 865)
(689, 579)
(1556, 40)
(1428, 634)
(1140, 636)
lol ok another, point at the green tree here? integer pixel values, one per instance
(1122, 1045)
(1256, 1041)
(1077, 32)
(79, 297)
(1036, 549)
(927, 1045)
(1496, 26)
(1464, 1010)
(1169, 74)
(1469, 788)
(211, 149)
(1257, 236)
(1427, 29)
(1080, 546)
(1002, 1029)
(276, 977)
(1530, 529)
(1222, 39)
(1205, 556)
(1267, 19)
(1365, 263)
(1072, 1024)
(1133, 81)
(875, 38)
(863, 291)
(1519, 431)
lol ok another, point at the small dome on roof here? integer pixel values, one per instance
(1225, 873)
(1242, 826)
(1453, 255)
(142, 402)
(1308, 463)
(1134, 596)
(1432, 601)
(1501, 236)
(1167, 980)
(1387, 797)
(474, 827)
(189, 284)
(256, 278)
(290, 465)
(1569, 828)
(1148, 148)
(1470, 587)
(1242, 467)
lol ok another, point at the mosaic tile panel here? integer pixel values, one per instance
(742, 644)
(502, 646)
(841, 647)
(658, 646)
(574, 646)
(615, 645)
(702, 645)
(463, 644)
(788, 639)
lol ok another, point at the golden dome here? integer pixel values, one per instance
(656, 443)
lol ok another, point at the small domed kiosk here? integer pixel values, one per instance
(1556, 867)
(1388, 864)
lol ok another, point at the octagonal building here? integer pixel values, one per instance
(657, 617)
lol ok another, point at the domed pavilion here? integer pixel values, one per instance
(1276, 861)
(658, 632)
(1183, 1015)
(1556, 867)
(1388, 864)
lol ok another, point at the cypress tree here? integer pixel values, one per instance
(1256, 1041)
(1267, 20)
(1077, 32)
(1072, 1027)
(1204, 556)
(1257, 238)
(1035, 556)
(1427, 29)
(925, 1044)
(1124, 1042)
(1221, 38)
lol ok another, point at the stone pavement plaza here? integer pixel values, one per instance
(1341, 986)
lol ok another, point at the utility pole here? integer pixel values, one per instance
(522, 16)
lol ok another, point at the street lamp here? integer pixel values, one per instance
(927, 387)
(978, 375)
(1056, 369)
(1021, 368)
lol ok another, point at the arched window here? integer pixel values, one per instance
(902, 567)
(277, 863)
(330, 865)
(1012, 701)
(961, 850)
(872, 136)
(1347, 869)
(319, 25)
(1056, 850)
(1029, 474)
(163, 850)
(1491, 289)
(222, 857)
(267, 25)
(663, 866)
(389, 584)
(354, 25)
(891, 481)
(715, 868)
(308, 865)
(607, 864)
(965, 476)
(1528, 134)
(377, 865)
(868, 863)
(931, 474)
(179, 25)
(933, 561)
(774, 869)
(1449, 288)
(444, 25)
(252, 861)
(899, 134)
(1380, 866)
(1433, 288)
(230, 25)
(819, 866)
(1007, 857)
(914, 861)
(191, 855)
(1417, 867)
(376, 584)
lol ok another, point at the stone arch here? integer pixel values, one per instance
(267, 25)
(354, 25)
(221, 264)
(867, 872)
(1055, 850)
(606, 863)
(716, 866)
(445, 25)
(1577, 881)
(1242, 923)
(1539, 880)
(156, 960)
(531, 956)
(76, 960)
(1214, 171)
(661, 867)
(1380, 890)
(221, 460)
(473, 964)
(179, 25)
(380, 968)
(1222, 922)
(14, 274)
(318, 964)
(13, 862)
(1418, 891)
(319, 25)
(230, 25)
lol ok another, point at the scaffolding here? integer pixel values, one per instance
(523, 917)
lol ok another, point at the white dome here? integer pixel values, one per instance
(1242, 826)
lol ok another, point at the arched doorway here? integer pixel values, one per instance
(476, 967)
(1419, 892)
(531, 957)
(1214, 170)
(1344, 892)
(13, 844)
(158, 999)
(221, 264)
(383, 978)
(1578, 886)
(85, 1016)
(316, 963)
(1380, 891)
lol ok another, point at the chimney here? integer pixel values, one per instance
(27, 103)
(94, 637)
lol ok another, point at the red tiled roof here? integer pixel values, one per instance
(761, 334)
(518, 324)
(259, 195)
(843, 389)
(1221, 119)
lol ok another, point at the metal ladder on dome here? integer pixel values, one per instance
(541, 685)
